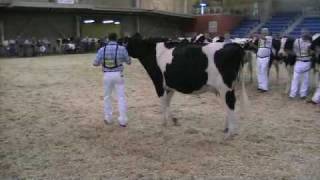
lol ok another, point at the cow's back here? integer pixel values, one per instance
(187, 71)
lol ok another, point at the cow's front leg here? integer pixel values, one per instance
(164, 108)
(231, 119)
(250, 66)
(290, 74)
(276, 65)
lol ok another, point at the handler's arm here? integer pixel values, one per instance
(99, 58)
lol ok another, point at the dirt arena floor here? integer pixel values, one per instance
(51, 127)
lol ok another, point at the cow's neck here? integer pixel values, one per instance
(149, 62)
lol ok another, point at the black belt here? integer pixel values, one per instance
(264, 57)
(110, 69)
(304, 60)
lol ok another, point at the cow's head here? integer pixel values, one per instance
(315, 46)
(249, 46)
(139, 48)
(200, 38)
(286, 47)
(135, 45)
(282, 52)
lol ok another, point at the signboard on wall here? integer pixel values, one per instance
(213, 27)
(65, 1)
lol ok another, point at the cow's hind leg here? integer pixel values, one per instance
(231, 119)
(165, 107)
(169, 98)
(250, 67)
(289, 69)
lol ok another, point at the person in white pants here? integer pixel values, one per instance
(112, 57)
(263, 60)
(301, 48)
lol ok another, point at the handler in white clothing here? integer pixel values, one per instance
(263, 60)
(111, 57)
(301, 48)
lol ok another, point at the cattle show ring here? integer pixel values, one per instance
(160, 89)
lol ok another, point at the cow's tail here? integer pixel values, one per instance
(244, 100)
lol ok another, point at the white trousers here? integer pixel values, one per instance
(262, 73)
(114, 80)
(301, 70)
(316, 96)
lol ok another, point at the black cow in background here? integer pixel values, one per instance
(191, 69)
(251, 44)
(287, 55)
(200, 39)
(315, 47)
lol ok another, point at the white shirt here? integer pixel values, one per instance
(301, 49)
(264, 47)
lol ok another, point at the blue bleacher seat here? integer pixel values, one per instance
(280, 22)
(310, 23)
(244, 28)
(276, 25)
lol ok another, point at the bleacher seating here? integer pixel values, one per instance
(276, 25)
(280, 22)
(244, 28)
(310, 23)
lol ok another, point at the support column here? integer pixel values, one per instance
(1, 31)
(138, 3)
(265, 9)
(138, 24)
(185, 10)
(78, 28)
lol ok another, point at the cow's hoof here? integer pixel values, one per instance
(176, 122)
(229, 136)
(226, 130)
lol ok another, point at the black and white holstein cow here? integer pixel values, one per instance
(200, 39)
(287, 55)
(191, 69)
(315, 46)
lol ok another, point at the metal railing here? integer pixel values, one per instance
(219, 10)
(5, 1)
(311, 11)
(105, 4)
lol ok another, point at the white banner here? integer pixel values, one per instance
(65, 1)
(213, 26)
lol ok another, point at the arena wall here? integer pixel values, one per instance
(38, 25)
(161, 26)
(53, 25)
(225, 23)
